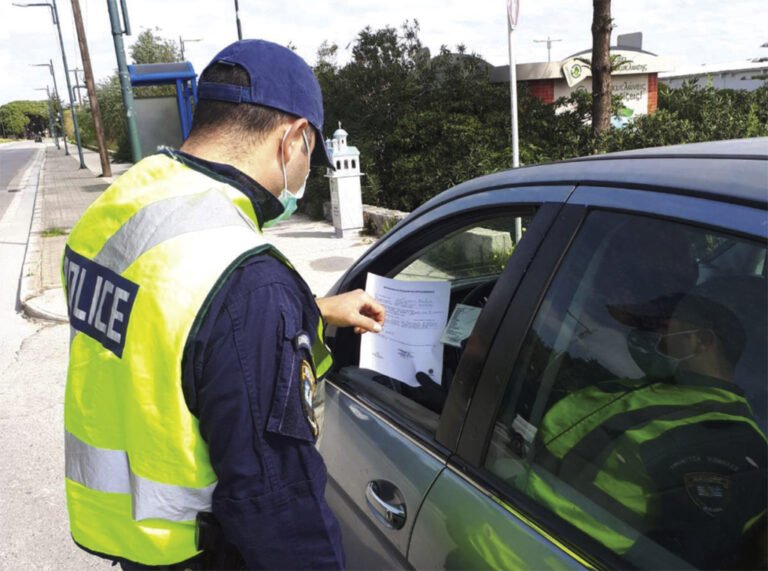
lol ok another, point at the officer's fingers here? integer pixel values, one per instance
(374, 310)
(369, 307)
(362, 324)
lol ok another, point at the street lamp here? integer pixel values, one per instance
(50, 114)
(182, 41)
(75, 86)
(49, 65)
(237, 17)
(79, 88)
(55, 16)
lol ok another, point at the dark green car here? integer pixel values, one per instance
(608, 409)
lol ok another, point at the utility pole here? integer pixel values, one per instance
(55, 15)
(77, 82)
(125, 79)
(237, 17)
(182, 41)
(513, 13)
(106, 168)
(548, 41)
(60, 114)
(50, 115)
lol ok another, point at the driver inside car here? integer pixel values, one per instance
(677, 455)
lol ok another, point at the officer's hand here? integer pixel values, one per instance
(353, 309)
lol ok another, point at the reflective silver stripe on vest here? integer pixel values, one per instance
(109, 471)
(166, 219)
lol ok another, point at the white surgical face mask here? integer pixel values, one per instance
(653, 355)
(288, 199)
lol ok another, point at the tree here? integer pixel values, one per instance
(150, 47)
(602, 25)
(20, 118)
(12, 121)
(424, 123)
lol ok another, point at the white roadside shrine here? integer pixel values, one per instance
(346, 194)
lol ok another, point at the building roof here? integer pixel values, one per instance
(639, 62)
(613, 49)
(711, 69)
(343, 152)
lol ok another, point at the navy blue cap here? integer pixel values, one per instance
(279, 79)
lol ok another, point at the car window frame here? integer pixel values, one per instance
(439, 222)
(515, 324)
(739, 220)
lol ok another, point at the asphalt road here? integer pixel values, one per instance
(33, 358)
(13, 160)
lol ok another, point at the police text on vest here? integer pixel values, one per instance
(99, 300)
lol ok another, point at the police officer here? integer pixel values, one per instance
(678, 455)
(196, 348)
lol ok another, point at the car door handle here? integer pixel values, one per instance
(386, 503)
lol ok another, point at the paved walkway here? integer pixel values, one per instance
(65, 191)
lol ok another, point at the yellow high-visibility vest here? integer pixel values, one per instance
(139, 270)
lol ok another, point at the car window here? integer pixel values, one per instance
(471, 258)
(636, 411)
(477, 251)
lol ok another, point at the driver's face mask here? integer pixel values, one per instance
(659, 354)
(288, 199)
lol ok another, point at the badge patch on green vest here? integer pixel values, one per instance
(308, 394)
(710, 492)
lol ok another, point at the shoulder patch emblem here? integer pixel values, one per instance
(308, 384)
(710, 492)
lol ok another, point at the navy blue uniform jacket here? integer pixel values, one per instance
(241, 379)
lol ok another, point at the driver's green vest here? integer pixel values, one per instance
(139, 269)
(585, 439)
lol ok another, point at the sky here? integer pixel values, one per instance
(691, 32)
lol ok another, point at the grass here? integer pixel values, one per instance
(51, 232)
(5, 140)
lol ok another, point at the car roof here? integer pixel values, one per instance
(728, 171)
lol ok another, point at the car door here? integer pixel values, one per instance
(385, 443)
(550, 470)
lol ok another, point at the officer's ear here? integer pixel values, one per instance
(294, 139)
(706, 339)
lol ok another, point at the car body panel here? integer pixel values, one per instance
(461, 526)
(686, 208)
(729, 171)
(381, 453)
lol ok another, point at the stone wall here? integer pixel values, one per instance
(377, 220)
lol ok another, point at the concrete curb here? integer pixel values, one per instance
(30, 288)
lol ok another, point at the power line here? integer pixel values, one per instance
(548, 41)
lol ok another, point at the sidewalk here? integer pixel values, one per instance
(65, 191)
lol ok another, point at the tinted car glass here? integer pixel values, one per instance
(636, 411)
(471, 259)
(476, 251)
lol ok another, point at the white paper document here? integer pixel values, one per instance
(410, 342)
(461, 324)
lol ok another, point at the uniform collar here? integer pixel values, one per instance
(266, 205)
(699, 380)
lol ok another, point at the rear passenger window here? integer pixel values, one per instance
(636, 412)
